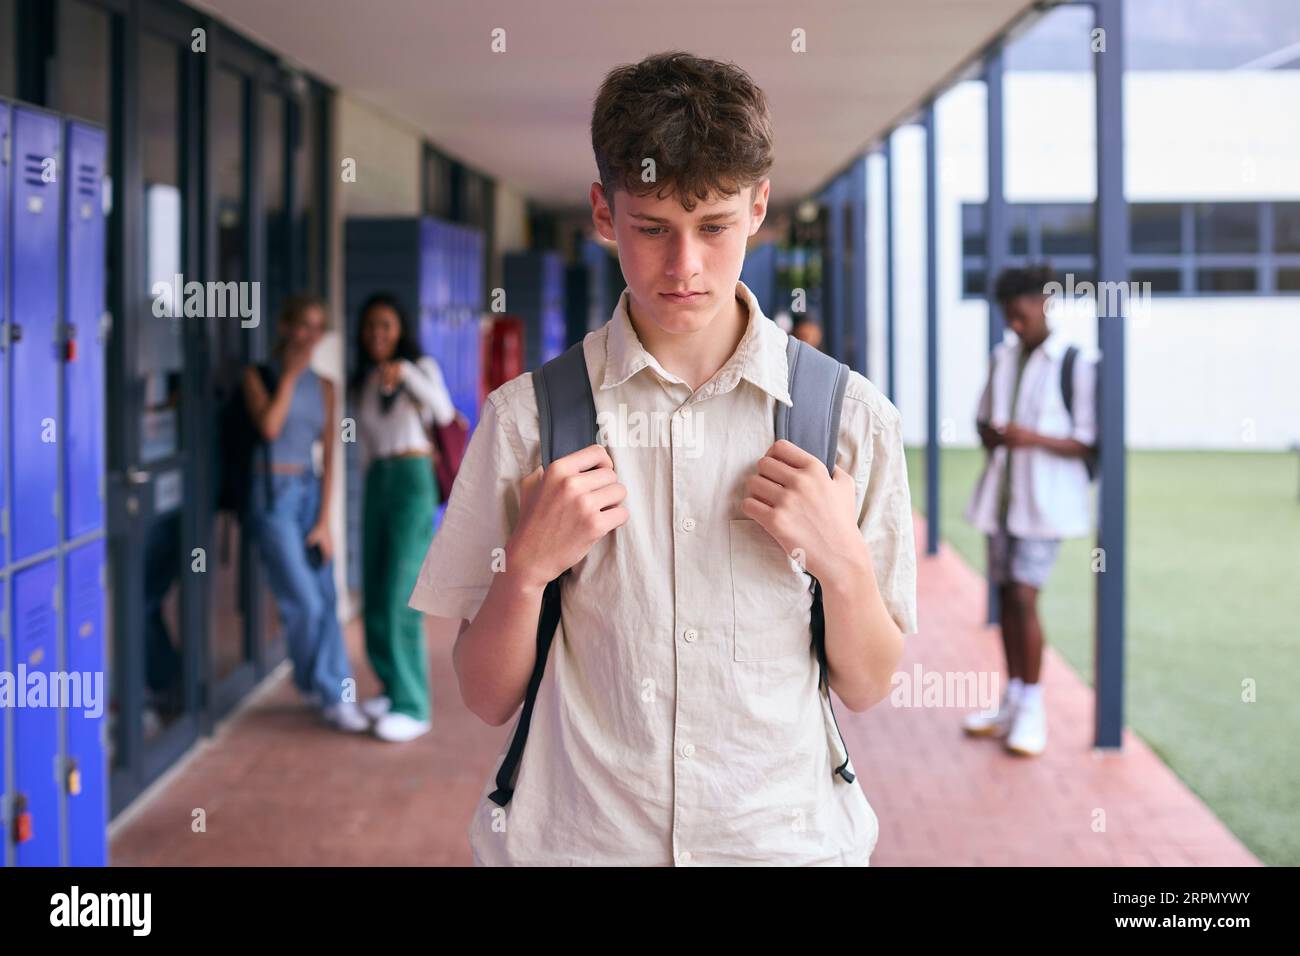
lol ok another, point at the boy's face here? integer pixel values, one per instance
(665, 250)
(1026, 315)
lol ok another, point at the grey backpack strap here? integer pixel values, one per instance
(566, 411)
(817, 382)
(566, 419)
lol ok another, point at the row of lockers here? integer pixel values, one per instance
(58, 792)
(51, 191)
(53, 771)
(534, 287)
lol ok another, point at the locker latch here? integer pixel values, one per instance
(22, 819)
(74, 777)
(70, 343)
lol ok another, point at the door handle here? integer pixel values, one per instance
(137, 476)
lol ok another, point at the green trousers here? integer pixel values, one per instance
(401, 498)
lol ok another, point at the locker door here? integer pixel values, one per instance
(84, 655)
(9, 666)
(33, 385)
(36, 728)
(6, 166)
(83, 381)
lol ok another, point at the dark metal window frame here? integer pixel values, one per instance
(1265, 263)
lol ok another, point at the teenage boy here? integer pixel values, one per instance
(1033, 491)
(679, 718)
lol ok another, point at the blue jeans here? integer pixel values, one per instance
(304, 595)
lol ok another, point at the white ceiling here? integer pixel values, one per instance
(523, 116)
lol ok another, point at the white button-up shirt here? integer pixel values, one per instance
(1049, 492)
(679, 719)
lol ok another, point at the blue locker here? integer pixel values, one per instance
(33, 385)
(83, 382)
(5, 169)
(36, 728)
(85, 756)
(8, 666)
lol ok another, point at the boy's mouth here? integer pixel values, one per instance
(683, 296)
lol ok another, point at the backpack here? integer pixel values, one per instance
(1067, 393)
(567, 422)
(240, 442)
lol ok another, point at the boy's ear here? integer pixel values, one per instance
(601, 215)
(758, 205)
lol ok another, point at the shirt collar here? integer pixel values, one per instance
(1052, 346)
(759, 358)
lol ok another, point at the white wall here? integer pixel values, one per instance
(1203, 372)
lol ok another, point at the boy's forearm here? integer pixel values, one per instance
(1065, 447)
(863, 644)
(494, 656)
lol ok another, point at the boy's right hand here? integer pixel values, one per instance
(564, 510)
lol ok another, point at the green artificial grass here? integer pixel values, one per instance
(1213, 603)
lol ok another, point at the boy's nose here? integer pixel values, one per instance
(684, 260)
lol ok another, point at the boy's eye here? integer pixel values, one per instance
(657, 230)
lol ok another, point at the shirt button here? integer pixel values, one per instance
(688, 524)
(684, 856)
(690, 634)
(688, 750)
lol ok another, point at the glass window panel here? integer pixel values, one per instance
(271, 164)
(1286, 227)
(83, 81)
(1066, 228)
(1288, 280)
(8, 49)
(1226, 280)
(1155, 228)
(1227, 227)
(973, 239)
(1162, 280)
(1018, 225)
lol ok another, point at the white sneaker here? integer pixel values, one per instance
(399, 728)
(346, 716)
(376, 707)
(982, 724)
(1028, 735)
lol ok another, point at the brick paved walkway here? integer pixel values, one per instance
(278, 789)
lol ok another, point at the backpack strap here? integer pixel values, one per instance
(1067, 378)
(1067, 394)
(566, 419)
(817, 383)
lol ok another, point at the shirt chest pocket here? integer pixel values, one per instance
(771, 596)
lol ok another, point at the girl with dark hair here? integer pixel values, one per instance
(399, 394)
(292, 409)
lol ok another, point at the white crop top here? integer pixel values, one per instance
(420, 400)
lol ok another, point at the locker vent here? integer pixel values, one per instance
(87, 179)
(33, 166)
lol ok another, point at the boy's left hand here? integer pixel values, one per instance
(807, 510)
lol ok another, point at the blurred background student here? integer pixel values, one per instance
(400, 395)
(292, 408)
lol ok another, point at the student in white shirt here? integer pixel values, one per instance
(1034, 489)
(399, 394)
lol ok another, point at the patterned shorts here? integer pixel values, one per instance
(1021, 560)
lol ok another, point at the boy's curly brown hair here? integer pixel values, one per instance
(705, 124)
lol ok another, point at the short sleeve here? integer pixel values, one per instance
(885, 509)
(470, 542)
